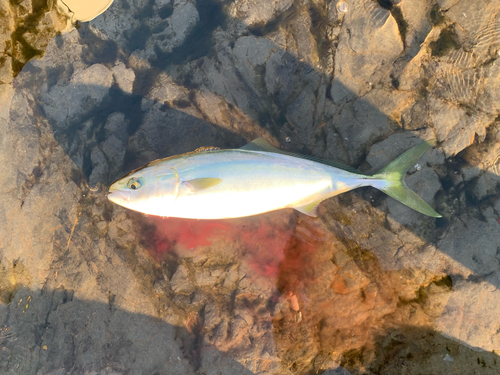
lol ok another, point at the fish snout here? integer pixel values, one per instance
(119, 197)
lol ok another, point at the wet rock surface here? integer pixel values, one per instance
(369, 287)
(26, 29)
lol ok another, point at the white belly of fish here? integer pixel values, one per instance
(249, 186)
(236, 201)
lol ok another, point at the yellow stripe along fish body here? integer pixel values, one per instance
(217, 184)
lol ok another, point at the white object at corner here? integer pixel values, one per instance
(84, 11)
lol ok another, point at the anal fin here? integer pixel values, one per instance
(309, 209)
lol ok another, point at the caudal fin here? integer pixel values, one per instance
(394, 174)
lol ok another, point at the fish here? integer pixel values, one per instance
(213, 183)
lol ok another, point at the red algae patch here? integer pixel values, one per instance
(259, 240)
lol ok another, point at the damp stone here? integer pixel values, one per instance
(342, 6)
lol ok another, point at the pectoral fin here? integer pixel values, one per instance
(198, 184)
(309, 209)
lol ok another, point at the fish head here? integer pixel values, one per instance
(150, 190)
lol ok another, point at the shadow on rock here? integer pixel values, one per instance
(53, 332)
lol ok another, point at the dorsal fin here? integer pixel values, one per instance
(261, 144)
(206, 149)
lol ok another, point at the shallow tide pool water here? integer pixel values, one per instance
(367, 287)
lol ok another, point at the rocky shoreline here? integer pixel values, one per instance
(370, 287)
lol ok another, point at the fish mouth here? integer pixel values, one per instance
(118, 197)
(112, 196)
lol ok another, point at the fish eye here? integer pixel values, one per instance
(134, 183)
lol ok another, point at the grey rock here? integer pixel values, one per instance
(455, 128)
(480, 190)
(199, 297)
(497, 207)
(211, 317)
(470, 309)
(124, 77)
(461, 77)
(445, 116)
(492, 89)
(339, 370)
(340, 85)
(472, 19)
(304, 42)
(184, 17)
(301, 113)
(6, 70)
(489, 214)
(370, 123)
(205, 278)
(368, 30)
(181, 280)
(86, 88)
(470, 172)
(232, 278)
(415, 116)
(446, 4)
(142, 26)
(115, 22)
(418, 24)
(212, 362)
(259, 12)
(340, 93)
(382, 153)
(486, 184)
(473, 244)
(114, 147)
(250, 53)
(25, 33)
(66, 316)
(100, 166)
(26, 146)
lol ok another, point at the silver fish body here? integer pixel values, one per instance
(219, 184)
